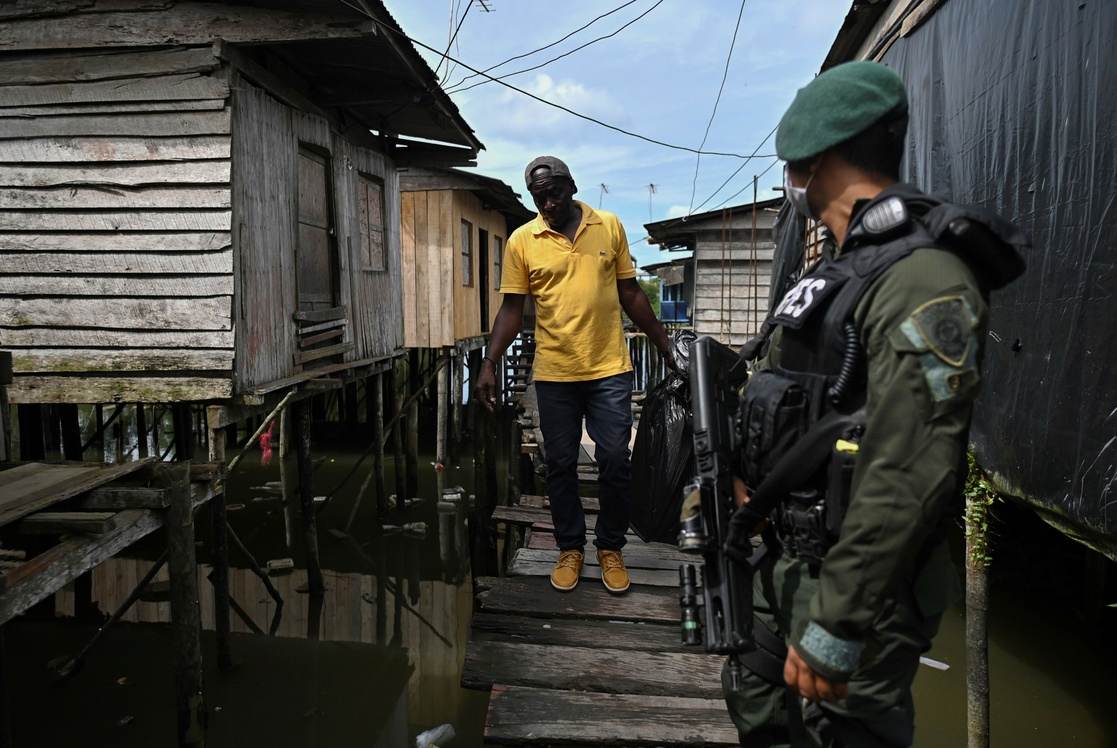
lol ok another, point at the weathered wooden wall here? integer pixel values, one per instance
(467, 298)
(265, 177)
(438, 307)
(115, 226)
(732, 277)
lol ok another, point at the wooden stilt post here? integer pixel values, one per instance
(391, 405)
(222, 625)
(443, 413)
(71, 432)
(377, 393)
(977, 641)
(286, 485)
(184, 432)
(6, 375)
(456, 401)
(141, 430)
(186, 620)
(412, 433)
(315, 584)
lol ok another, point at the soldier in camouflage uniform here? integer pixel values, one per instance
(888, 330)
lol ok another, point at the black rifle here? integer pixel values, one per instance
(715, 379)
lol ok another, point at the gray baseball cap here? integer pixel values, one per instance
(557, 167)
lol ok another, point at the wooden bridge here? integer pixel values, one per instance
(588, 667)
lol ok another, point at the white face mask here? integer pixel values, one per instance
(798, 195)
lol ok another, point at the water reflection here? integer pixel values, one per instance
(386, 590)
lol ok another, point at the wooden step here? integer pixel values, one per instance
(537, 716)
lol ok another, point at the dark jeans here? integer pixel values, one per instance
(606, 405)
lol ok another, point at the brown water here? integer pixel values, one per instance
(379, 660)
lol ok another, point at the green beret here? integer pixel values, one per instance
(837, 105)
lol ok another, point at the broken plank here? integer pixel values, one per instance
(534, 596)
(647, 637)
(537, 716)
(57, 523)
(600, 670)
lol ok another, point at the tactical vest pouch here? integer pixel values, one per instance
(839, 484)
(773, 416)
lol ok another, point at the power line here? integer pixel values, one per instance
(721, 88)
(565, 54)
(540, 49)
(541, 100)
(738, 169)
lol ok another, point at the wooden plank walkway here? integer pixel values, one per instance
(588, 667)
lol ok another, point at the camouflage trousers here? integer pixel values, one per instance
(879, 712)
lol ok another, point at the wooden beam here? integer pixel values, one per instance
(192, 263)
(303, 357)
(79, 338)
(115, 175)
(60, 389)
(124, 497)
(199, 241)
(188, 24)
(69, 360)
(58, 523)
(140, 220)
(122, 286)
(48, 572)
(187, 86)
(101, 65)
(75, 197)
(94, 150)
(207, 313)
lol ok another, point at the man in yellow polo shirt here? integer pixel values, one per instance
(574, 262)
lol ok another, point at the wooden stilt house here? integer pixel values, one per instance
(455, 225)
(727, 286)
(200, 201)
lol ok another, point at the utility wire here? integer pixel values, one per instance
(565, 54)
(721, 88)
(541, 100)
(540, 49)
(738, 170)
(454, 36)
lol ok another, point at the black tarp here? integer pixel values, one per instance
(1014, 107)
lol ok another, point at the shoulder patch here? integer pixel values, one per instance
(943, 330)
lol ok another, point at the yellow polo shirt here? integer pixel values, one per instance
(578, 330)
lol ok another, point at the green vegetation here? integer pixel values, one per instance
(980, 496)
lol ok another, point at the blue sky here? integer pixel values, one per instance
(658, 77)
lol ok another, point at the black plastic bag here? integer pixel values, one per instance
(663, 453)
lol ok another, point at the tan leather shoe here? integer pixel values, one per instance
(564, 577)
(613, 573)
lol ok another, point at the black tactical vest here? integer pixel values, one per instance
(820, 348)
